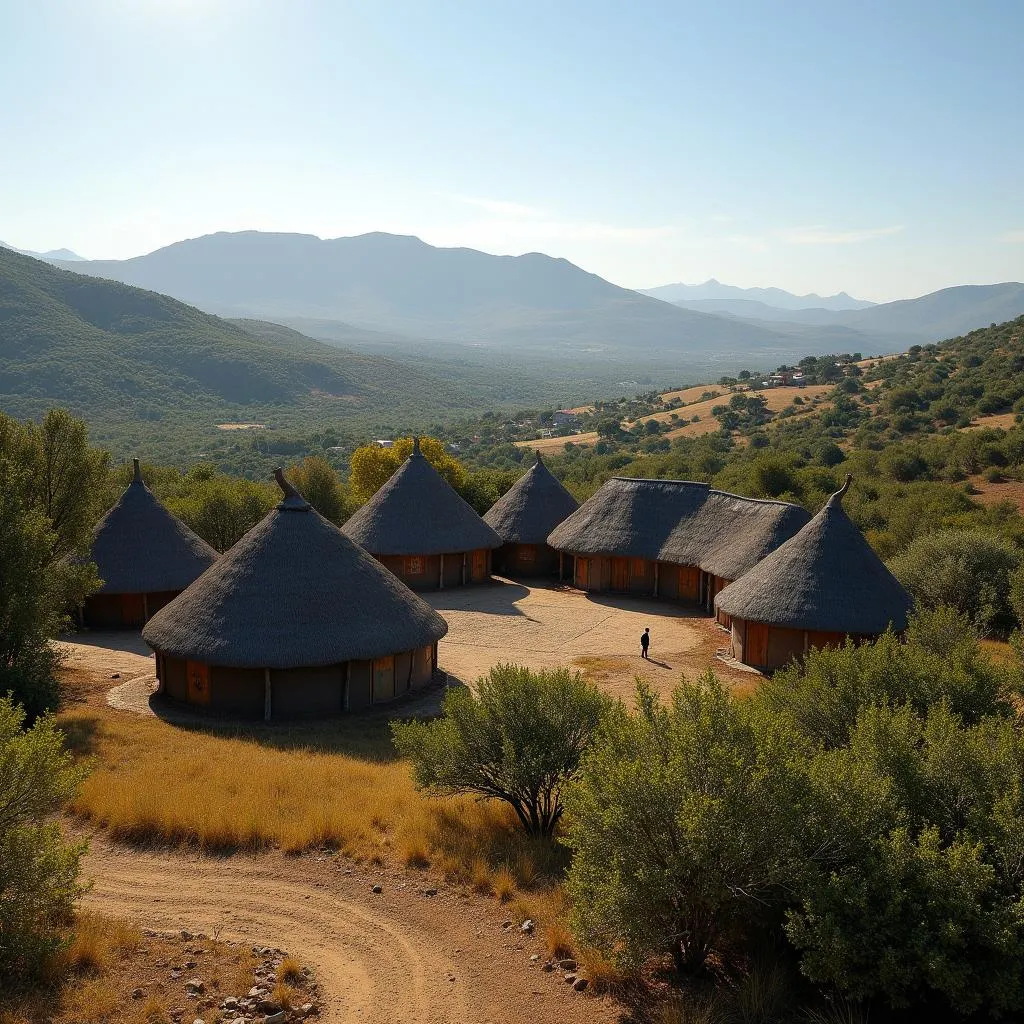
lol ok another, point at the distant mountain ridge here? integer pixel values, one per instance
(64, 255)
(712, 291)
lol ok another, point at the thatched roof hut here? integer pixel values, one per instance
(534, 505)
(144, 556)
(298, 598)
(415, 520)
(631, 529)
(826, 578)
(525, 515)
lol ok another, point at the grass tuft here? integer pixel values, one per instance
(290, 971)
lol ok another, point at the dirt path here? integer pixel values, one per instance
(395, 956)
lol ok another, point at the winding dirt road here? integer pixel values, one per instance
(395, 956)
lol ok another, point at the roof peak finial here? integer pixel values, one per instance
(136, 470)
(290, 493)
(836, 498)
(416, 445)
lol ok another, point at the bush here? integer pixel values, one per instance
(676, 828)
(519, 739)
(968, 570)
(38, 871)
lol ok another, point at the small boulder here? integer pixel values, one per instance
(580, 984)
(137, 993)
(376, 888)
(276, 1018)
(429, 892)
(526, 927)
(568, 964)
(229, 1003)
(548, 966)
(195, 985)
(269, 1006)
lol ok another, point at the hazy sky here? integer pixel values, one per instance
(876, 147)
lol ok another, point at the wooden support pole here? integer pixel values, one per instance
(440, 582)
(267, 707)
(465, 558)
(346, 697)
(145, 607)
(561, 560)
(656, 567)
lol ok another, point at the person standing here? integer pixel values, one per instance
(645, 642)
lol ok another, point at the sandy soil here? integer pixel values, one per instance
(991, 493)
(556, 444)
(688, 395)
(777, 399)
(395, 956)
(997, 421)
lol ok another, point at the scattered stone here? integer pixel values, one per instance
(568, 964)
(570, 979)
(276, 1018)
(535, 957)
(116, 675)
(190, 965)
(506, 924)
(526, 927)
(255, 992)
(175, 973)
(230, 1003)
(580, 984)
(306, 1009)
(199, 1020)
(187, 936)
(376, 888)
(137, 993)
(547, 966)
(195, 985)
(429, 892)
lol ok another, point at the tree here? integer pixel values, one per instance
(968, 570)
(64, 476)
(677, 827)
(38, 871)
(321, 486)
(372, 466)
(36, 589)
(519, 738)
(221, 509)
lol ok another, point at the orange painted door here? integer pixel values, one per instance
(384, 678)
(755, 650)
(689, 582)
(133, 610)
(620, 574)
(583, 573)
(198, 675)
(479, 566)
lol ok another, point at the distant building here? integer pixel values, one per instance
(798, 379)
(384, 444)
(565, 418)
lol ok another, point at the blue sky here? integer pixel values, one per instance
(872, 147)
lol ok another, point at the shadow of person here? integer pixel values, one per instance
(660, 664)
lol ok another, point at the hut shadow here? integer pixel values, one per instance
(499, 597)
(126, 640)
(648, 606)
(362, 735)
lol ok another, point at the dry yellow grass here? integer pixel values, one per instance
(997, 421)
(557, 444)
(777, 399)
(91, 980)
(694, 394)
(290, 971)
(558, 940)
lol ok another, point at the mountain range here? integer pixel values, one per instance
(65, 255)
(717, 296)
(423, 298)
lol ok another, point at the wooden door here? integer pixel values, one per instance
(198, 675)
(583, 573)
(384, 678)
(689, 583)
(133, 610)
(479, 565)
(755, 649)
(620, 574)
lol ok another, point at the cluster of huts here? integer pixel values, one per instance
(303, 618)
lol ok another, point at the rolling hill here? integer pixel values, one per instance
(715, 296)
(398, 283)
(117, 353)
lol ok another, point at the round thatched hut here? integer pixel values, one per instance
(423, 531)
(145, 558)
(294, 621)
(820, 587)
(675, 539)
(524, 516)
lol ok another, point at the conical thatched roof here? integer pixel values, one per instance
(681, 522)
(417, 512)
(825, 578)
(534, 505)
(140, 548)
(293, 592)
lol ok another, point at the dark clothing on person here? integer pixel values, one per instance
(645, 639)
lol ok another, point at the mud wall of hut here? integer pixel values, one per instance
(296, 692)
(423, 572)
(526, 560)
(772, 647)
(123, 611)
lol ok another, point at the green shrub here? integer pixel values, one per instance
(38, 871)
(519, 739)
(678, 827)
(968, 570)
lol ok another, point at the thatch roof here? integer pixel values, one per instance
(140, 548)
(825, 578)
(417, 512)
(681, 522)
(534, 505)
(293, 592)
